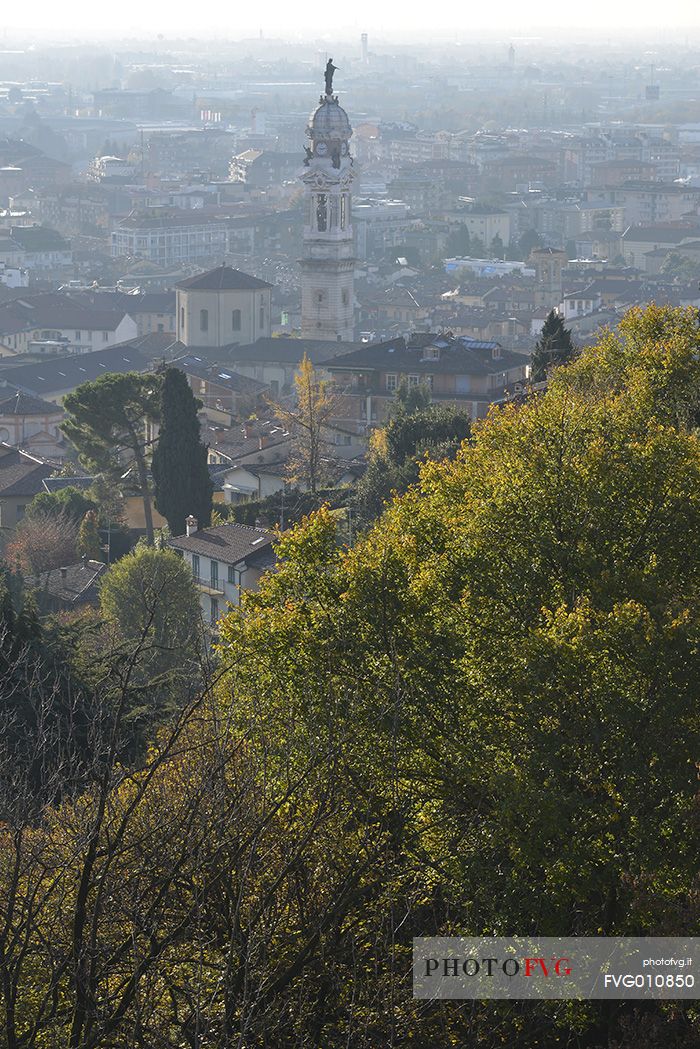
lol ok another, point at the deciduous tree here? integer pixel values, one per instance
(482, 717)
(508, 664)
(307, 421)
(43, 542)
(149, 597)
(70, 501)
(413, 432)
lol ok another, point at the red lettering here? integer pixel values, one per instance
(532, 963)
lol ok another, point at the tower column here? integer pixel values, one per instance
(328, 256)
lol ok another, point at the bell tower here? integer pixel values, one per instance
(328, 259)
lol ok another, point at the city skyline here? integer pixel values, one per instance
(541, 18)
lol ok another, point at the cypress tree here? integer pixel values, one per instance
(554, 346)
(89, 537)
(180, 472)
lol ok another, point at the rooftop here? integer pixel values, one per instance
(223, 278)
(57, 311)
(57, 484)
(459, 355)
(73, 584)
(659, 234)
(217, 376)
(56, 374)
(39, 238)
(21, 403)
(173, 218)
(21, 474)
(289, 351)
(230, 543)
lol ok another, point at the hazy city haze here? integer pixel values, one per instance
(349, 473)
(308, 21)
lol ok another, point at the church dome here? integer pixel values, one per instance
(329, 121)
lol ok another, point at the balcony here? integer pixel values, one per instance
(206, 586)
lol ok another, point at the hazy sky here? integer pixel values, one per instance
(390, 18)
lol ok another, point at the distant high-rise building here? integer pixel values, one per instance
(511, 56)
(363, 42)
(652, 91)
(328, 258)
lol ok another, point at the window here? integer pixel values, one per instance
(105, 336)
(78, 336)
(391, 382)
(161, 327)
(20, 511)
(343, 211)
(182, 316)
(319, 296)
(214, 612)
(345, 296)
(232, 574)
(414, 380)
(195, 565)
(322, 213)
(214, 575)
(236, 320)
(262, 316)
(204, 320)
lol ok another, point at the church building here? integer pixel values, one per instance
(221, 307)
(328, 260)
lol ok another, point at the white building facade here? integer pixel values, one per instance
(225, 561)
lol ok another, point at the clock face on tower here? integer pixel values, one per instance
(321, 149)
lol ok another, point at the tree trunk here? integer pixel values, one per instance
(145, 493)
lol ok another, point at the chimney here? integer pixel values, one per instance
(64, 573)
(191, 524)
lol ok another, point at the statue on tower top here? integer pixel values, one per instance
(330, 70)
